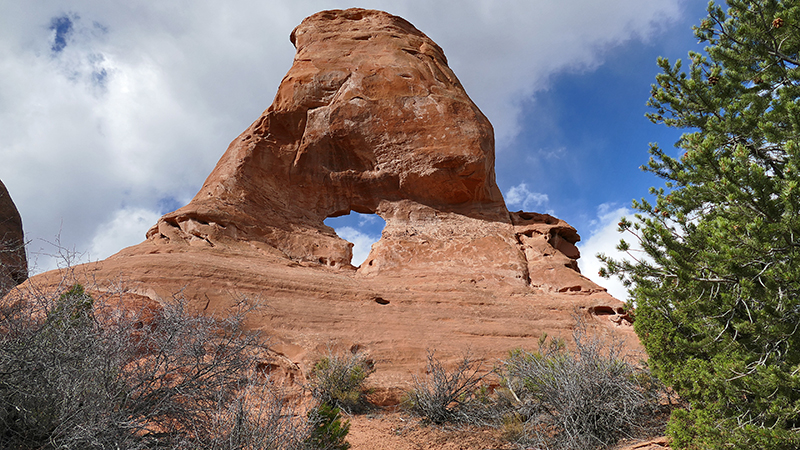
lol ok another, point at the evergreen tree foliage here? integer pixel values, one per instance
(716, 287)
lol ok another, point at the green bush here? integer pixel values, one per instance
(338, 380)
(328, 431)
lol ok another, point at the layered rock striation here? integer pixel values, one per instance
(370, 119)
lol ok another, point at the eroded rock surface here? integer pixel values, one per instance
(13, 263)
(370, 119)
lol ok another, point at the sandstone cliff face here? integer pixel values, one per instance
(370, 119)
(13, 263)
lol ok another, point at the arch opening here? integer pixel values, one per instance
(362, 230)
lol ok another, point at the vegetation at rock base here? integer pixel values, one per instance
(338, 380)
(78, 372)
(716, 286)
(455, 396)
(556, 398)
(587, 398)
(329, 432)
(83, 371)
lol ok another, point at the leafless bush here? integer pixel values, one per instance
(583, 399)
(338, 380)
(83, 373)
(450, 396)
(258, 418)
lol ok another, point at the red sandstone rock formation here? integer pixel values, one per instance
(13, 263)
(370, 119)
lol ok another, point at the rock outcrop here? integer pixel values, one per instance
(13, 263)
(370, 119)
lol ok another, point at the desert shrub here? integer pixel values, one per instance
(57, 374)
(78, 372)
(338, 380)
(583, 399)
(457, 395)
(260, 417)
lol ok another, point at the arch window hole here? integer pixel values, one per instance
(362, 230)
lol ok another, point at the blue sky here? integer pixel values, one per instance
(581, 143)
(113, 114)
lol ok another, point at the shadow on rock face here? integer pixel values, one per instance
(13, 263)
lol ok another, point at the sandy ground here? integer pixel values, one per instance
(390, 430)
(386, 430)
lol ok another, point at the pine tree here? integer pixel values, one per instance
(716, 287)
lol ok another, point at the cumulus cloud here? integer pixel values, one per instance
(125, 229)
(520, 196)
(369, 220)
(109, 107)
(604, 238)
(504, 52)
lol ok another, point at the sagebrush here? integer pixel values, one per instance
(553, 398)
(458, 395)
(587, 398)
(78, 372)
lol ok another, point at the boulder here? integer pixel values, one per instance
(13, 263)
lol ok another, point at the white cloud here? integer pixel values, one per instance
(504, 52)
(604, 239)
(143, 97)
(369, 219)
(362, 243)
(521, 196)
(128, 227)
